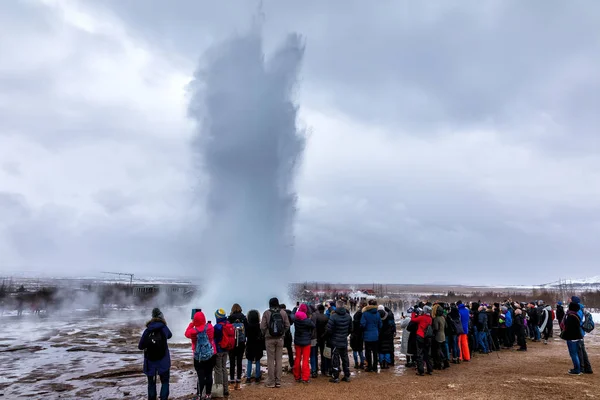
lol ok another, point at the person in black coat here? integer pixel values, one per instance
(357, 340)
(287, 339)
(386, 337)
(573, 335)
(240, 324)
(255, 346)
(338, 329)
(560, 312)
(519, 323)
(321, 321)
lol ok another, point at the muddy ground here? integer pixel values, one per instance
(97, 358)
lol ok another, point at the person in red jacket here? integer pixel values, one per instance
(204, 369)
(422, 317)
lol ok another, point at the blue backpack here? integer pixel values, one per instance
(204, 349)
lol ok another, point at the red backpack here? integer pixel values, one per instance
(228, 339)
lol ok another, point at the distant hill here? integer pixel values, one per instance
(591, 283)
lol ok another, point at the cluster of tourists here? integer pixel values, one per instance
(434, 336)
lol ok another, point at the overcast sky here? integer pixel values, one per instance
(450, 141)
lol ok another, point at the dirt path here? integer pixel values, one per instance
(541, 373)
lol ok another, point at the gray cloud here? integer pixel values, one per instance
(447, 139)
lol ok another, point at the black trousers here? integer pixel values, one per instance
(521, 337)
(340, 354)
(436, 352)
(290, 353)
(372, 355)
(583, 357)
(423, 349)
(235, 363)
(204, 369)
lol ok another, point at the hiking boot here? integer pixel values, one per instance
(334, 380)
(420, 373)
(315, 375)
(306, 381)
(277, 385)
(446, 364)
(248, 381)
(355, 366)
(429, 372)
(237, 386)
(270, 386)
(521, 349)
(588, 372)
(573, 372)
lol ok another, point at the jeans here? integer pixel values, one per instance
(475, 338)
(235, 363)
(340, 354)
(301, 367)
(385, 357)
(536, 331)
(359, 355)
(573, 346)
(482, 339)
(204, 370)
(453, 343)
(371, 355)
(249, 369)
(164, 386)
(314, 354)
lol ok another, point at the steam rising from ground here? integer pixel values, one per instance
(249, 144)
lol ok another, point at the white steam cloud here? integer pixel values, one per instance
(249, 145)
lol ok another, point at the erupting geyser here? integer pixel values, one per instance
(249, 145)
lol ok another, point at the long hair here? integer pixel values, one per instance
(253, 317)
(236, 308)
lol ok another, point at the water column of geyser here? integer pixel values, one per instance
(249, 145)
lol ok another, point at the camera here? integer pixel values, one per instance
(194, 311)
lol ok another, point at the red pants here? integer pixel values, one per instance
(463, 347)
(302, 363)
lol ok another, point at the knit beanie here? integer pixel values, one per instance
(574, 306)
(220, 314)
(156, 313)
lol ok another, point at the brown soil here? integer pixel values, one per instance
(540, 373)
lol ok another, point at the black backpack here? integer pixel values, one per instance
(155, 345)
(276, 327)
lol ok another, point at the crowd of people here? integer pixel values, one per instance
(434, 336)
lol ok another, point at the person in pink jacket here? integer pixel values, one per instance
(204, 369)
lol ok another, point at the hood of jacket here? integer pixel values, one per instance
(155, 321)
(300, 315)
(199, 320)
(341, 311)
(155, 324)
(371, 309)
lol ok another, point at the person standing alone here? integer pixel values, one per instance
(157, 359)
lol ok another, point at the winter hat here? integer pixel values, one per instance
(504, 308)
(381, 307)
(220, 314)
(300, 315)
(418, 310)
(427, 310)
(574, 306)
(575, 299)
(518, 311)
(274, 302)
(410, 310)
(560, 303)
(156, 313)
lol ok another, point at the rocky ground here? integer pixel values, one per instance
(97, 358)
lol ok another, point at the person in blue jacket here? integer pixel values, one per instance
(371, 323)
(157, 359)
